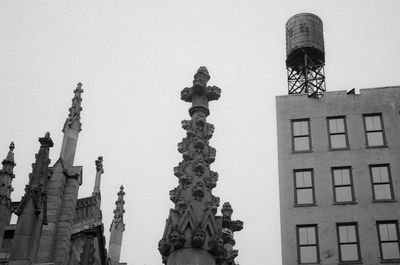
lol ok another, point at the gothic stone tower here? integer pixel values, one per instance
(193, 233)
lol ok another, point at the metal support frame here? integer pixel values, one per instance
(307, 78)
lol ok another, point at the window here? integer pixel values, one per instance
(307, 244)
(337, 133)
(388, 234)
(342, 185)
(301, 135)
(304, 187)
(374, 130)
(349, 247)
(381, 182)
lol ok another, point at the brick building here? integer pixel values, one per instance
(53, 225)
(339, 177)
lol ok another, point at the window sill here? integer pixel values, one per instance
(390, 261)
(339, 149)
(376, 146)
(301, 151)
(344, 203)
(383, 201)
(350, 262)
(305, 205)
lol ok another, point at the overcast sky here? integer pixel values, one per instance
(134, 57)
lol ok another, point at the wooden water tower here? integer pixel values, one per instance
(305, 55)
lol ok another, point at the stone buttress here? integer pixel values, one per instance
(62, 191)
(32, 210)
(194, 234)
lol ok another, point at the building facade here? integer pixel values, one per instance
(339, 177)
(54, 226)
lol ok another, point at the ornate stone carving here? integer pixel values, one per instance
(214, 204)
(199, 168)
(195, 206)
(99, 164)
(211, 180)
(200, 120)
(201, 77)
(164, 248)
(216, 248)
(213, 93)
(75, 109)
(227, 222)
(211, 155)
(198, 238)
(230, 259)
(210, 131)
(174, 194)
(185, 180)
(176, 239)
(179, 170)
(198, 191)
(186, 94)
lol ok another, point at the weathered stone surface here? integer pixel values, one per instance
(193, 233)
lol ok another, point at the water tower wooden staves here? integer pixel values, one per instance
(305, 55)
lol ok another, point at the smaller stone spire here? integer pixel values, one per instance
(75, 109)
(7, 175)
(119, 209)
(116, 229)
(99, 172)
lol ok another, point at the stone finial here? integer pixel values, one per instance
(200, 94)
(8, 162)
(12, 146)
(99, 171)
(99, 164)
(46, 140)
(201, 77)
(75, 109)
(227, 210)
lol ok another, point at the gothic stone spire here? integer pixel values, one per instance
(72, 127)
(74, 115)
(193, 231)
